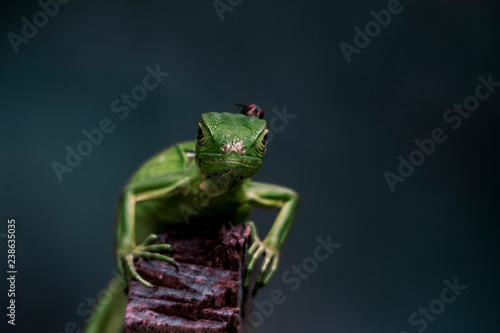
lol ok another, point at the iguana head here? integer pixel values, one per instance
(230, 145)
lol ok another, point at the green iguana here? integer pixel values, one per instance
(202, 180)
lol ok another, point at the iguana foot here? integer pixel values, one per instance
(126, 261)
(270, 264)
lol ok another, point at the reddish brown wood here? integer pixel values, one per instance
(205, 295)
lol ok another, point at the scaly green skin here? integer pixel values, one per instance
(203, 180)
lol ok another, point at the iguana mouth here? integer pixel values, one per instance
(247, 160)
(231, 160)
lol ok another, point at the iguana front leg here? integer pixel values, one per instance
(269, 196)
(126, 247)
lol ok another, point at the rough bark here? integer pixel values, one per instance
(204, 295)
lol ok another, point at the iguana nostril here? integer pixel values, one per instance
(234, 146)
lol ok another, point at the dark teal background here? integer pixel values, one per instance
(352, 121)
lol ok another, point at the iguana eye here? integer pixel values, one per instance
(264, 141)
(200, 137)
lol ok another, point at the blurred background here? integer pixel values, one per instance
(351, 111)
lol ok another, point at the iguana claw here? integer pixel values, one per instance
(126, 260)
(257, 249)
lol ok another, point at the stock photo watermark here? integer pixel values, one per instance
(11, 271)
(372, 29)
(436, 307)
(292, 278)
(221, 7)
(30, 28)
(94, 137)
(426, 147)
